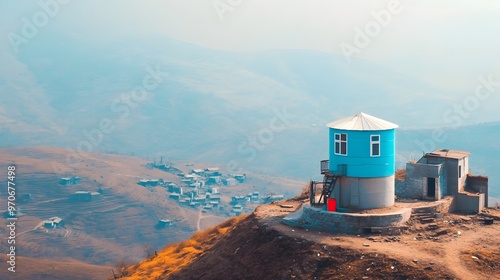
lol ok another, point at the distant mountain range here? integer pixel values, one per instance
(262, 111)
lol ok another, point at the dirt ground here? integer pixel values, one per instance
(461, 246)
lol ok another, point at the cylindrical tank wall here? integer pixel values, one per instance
(365, 193)
(359, 161)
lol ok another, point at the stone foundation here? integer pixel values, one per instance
(319, 219)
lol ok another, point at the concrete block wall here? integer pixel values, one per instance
(409, 188)
(415, 185)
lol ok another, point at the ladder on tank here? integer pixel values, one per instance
(329, 181)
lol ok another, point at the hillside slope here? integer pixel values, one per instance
(250, 250)
(260, 247)
(41, 269)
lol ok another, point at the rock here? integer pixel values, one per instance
(442, 232)
(427, 220)
(432, 226)
(415, 261)
(428, 268)
(366, 245)
(475, 258)
(286, 206)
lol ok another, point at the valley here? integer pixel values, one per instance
(121, 226)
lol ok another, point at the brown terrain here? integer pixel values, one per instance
(106, 234)
(259, 246)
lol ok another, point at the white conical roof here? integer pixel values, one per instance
(362, 121)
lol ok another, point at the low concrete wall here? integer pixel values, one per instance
(319, 219)
(469, 203)
(442, 206)
(478, 184)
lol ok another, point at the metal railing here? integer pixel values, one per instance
(313, 185)
(325, 168)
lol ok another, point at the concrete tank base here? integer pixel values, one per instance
(353, 223)
(365, 193)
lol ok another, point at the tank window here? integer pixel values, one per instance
(341, 144)
(375, 145)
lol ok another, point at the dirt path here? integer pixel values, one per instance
(198, 221)
(35, 228)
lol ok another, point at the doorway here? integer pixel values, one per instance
(431, 187)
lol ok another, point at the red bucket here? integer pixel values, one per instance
(331, 205)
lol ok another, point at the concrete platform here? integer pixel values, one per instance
(353, 223)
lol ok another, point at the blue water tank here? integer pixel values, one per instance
(362, 146)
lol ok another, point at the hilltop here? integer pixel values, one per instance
(120, 228)
(259, 246)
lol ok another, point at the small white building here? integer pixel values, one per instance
(445, 172)
(53, 222)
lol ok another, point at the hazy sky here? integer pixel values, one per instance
(445, 43)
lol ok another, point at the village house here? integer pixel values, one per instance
(85, 196)
(229, 181)
(214, 180)
(67, 181)
(53, 222)
(238, 199)
(212, 171)
(150, 182)
(163, 223)
(237, 209)
(198, 172)
(240, 177)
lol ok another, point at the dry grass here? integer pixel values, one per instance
(179, 255)
(401, 174)
(476, 176)
(304, 194)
